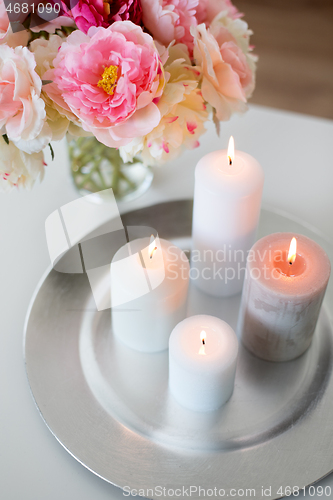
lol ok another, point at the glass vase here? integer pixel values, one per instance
(96, 167)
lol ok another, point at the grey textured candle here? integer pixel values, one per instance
(282, 296)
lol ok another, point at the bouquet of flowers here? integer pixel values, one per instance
(141, 76)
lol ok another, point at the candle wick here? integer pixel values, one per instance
(230, 160)
(203, 341)
(289, 268)
(152, 252)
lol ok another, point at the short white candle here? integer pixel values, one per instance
(149, 282)
(202, 362)
(227, 199)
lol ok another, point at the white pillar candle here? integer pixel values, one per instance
(202, 362)
(283, 292)
(227, 199)
(149, 282)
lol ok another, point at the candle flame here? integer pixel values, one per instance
(152, 247)
(202, 350)
(231, 150)
(292, 251)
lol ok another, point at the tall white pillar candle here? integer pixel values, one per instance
(202, 362)
(283, 292)
(149, 282)
(227, 199)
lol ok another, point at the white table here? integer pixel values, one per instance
(297, 155)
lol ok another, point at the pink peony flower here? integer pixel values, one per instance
(124, 10)
(87, 13)
(207, 10)
(109, 79)
(227, 76)
(170, 20)
(232, 55)
(22, 110)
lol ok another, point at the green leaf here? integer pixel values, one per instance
(45, 82)
(52, 152)
(5, 138)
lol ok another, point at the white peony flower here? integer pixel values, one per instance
(58, 119)
(183, 113)
(45, 51)
(18, 168)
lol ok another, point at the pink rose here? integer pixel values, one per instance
(170, 20)
(109, 79)
(227, 76)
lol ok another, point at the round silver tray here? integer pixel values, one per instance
(110, 408)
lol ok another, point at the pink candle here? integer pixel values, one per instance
(283, 291)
